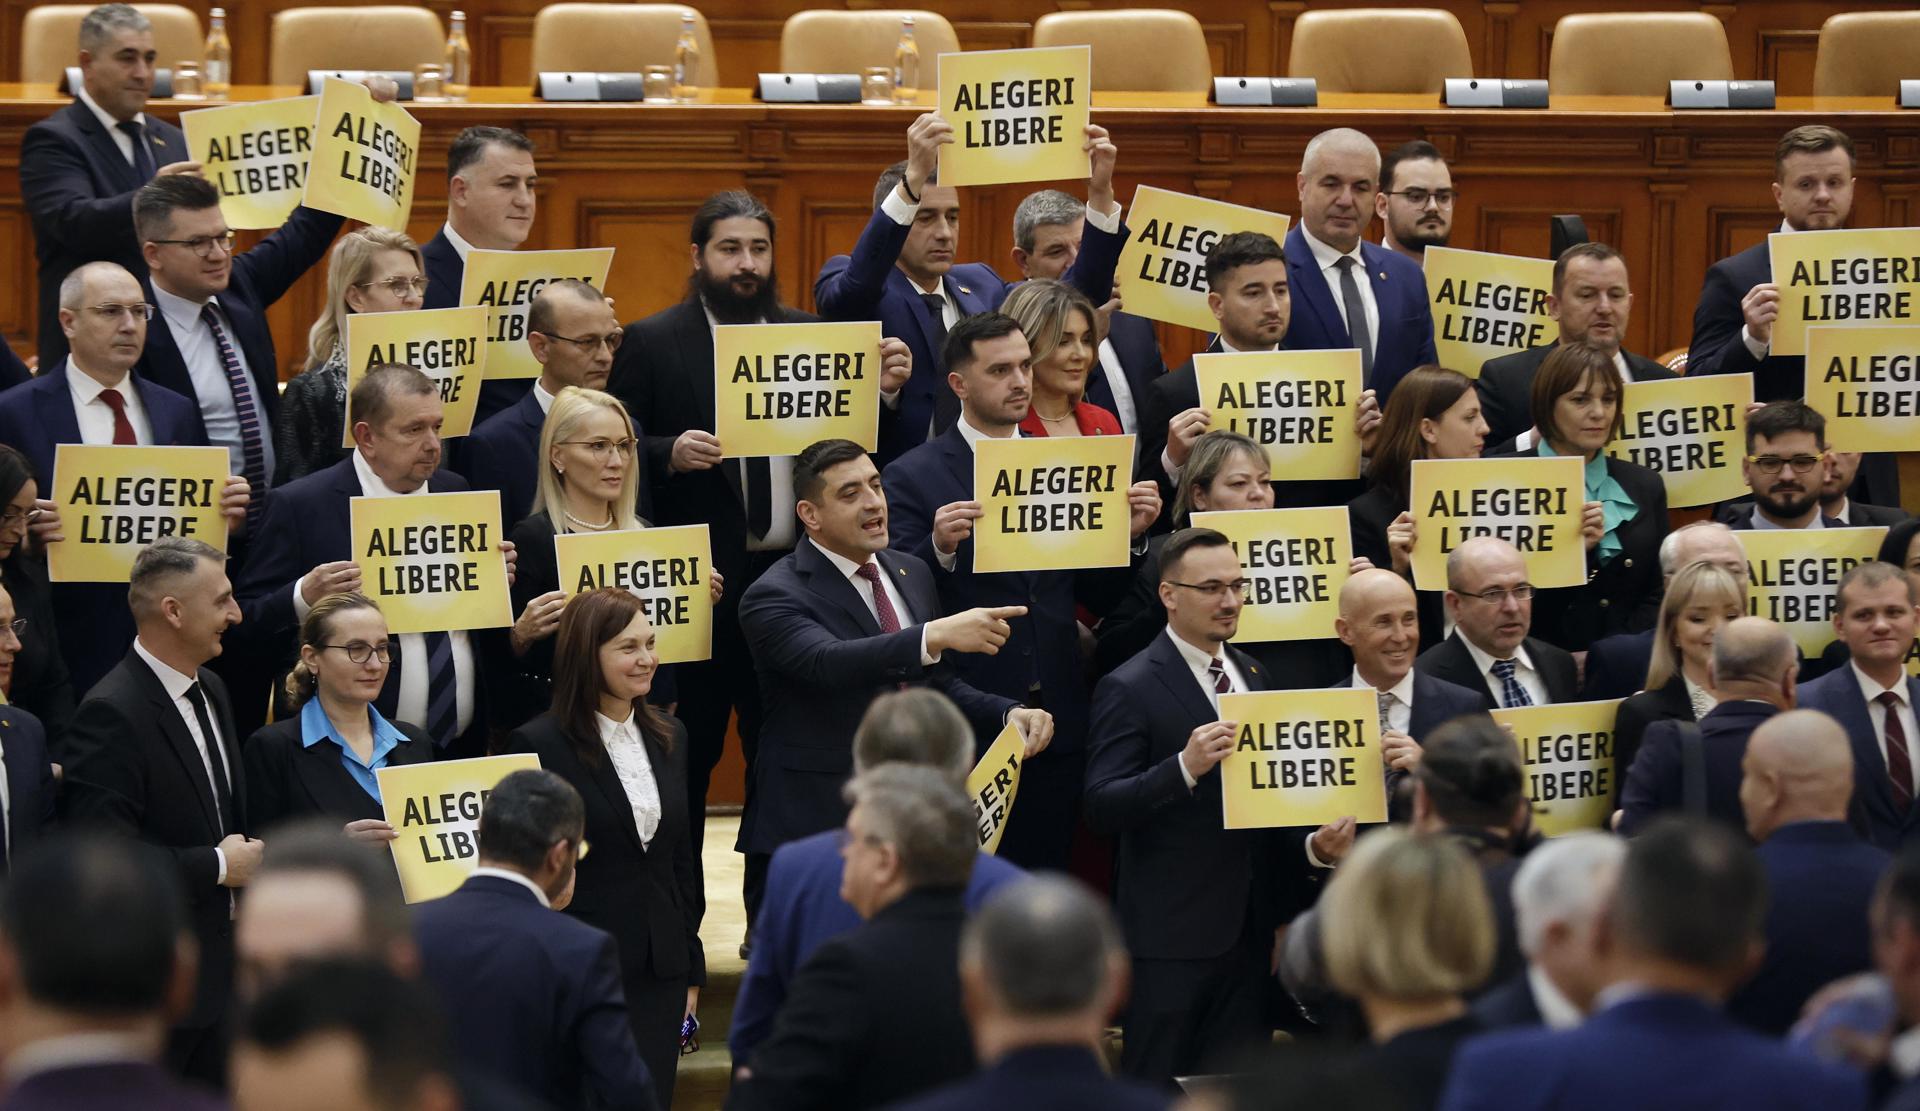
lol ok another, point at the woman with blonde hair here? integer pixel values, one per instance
(1059, 323)
(371, 270)
(1701, 598)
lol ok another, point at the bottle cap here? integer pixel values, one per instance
(217, 13)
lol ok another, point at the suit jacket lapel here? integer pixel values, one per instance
(320, 772)
(1857, 720)
(1174, 674)
(54, 406)
(23, 811)
(174, 728)
(922, 597)
(694, 340)
(607, 781)
(161, 362)
(824, 579)
(1310, 286)
(922, 316)
(105, 148)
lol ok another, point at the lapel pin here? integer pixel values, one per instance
(965, 290)
(1383, 275)
(903, 572)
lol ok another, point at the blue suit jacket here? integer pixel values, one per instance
(531, 995)
(1654, 784)
(802, 910)
(822, 658)
(78, 191)
(504, 454)
(866, 285)
(1717, 322)
(1043, 1078)
(29, 772)
(445, 271)
(108, 1087)
(1399, 289)
(1679, 1052)
(1837, 694)
(1617, 665)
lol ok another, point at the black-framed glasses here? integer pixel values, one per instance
(1241, 587)
(203, 245)
(360, 653)
(1495, 596)
(1418, 198)
(399, 287)
(18, 627)
(112, 311)
(601, 448)
(589, 344)
(10, 517)
(1771, 464)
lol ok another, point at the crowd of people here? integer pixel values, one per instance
(200, 902)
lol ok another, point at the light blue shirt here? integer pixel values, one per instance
(316, 727)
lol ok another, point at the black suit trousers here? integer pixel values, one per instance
(1195, 1016)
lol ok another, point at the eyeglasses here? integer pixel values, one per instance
(399, 287)
(18, 627)
(360, 653)
(203, 245)
(12, 517)
(1418, 198)
(600, 449)
(1241, 587)
(1771, 464)
(1498, 597)
(114, 312)
(588, 344)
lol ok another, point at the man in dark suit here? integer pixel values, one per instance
(1790, 471)
(1195, 900)
(1592, 302)
(836, 623)
(1352, 293)
(1753, 669)
(1491, 604)
(153, 756)
(934, 507)
(902, 273)
(1617, 665)
(1684, 929)
(79, 167)
(1042, 968)
(305, 552)
(13, 372)
(1873, 698)
(28, 805)
(532, 995)
(1820, 875)
(92, 938)
(1895, 920)
(874, 1017)
(1561, 890)
(490, 205)
(1415, 201)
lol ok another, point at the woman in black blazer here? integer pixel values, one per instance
(1700, 600)
(1576, 411)
(321, 760)
(629, 763)
(40, 684)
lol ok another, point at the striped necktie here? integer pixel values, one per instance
(253, 454)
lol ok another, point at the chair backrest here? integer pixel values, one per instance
(1635, 53)
(50, 38)
(1867, 53)
(1379, 50)
(822, 41)
(617, 38)
(1135, 49)
(376, 37)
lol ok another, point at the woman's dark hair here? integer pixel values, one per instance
(1565, 369)
(1471, 772)
(589, 621)
(15, 472)
(1424, 394)
(1899, 539)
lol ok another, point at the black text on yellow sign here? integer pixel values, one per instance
(1567, 753)
(1534, 504)
(435, 808)
(1692, 431)
(1792, 573)
(115, 500)
(1845, 276)
(1298, 406)
(1302, 758)
(1052, 503)
(433, 561)
(668, 569)
(1295, 562)
(779, 387)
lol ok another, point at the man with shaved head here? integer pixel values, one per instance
(1491, 604)
(1796, 785)
(1617, 665)
(1348, 292)
(1696, 766)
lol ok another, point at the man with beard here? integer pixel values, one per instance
(664, 375)
(1415, 202)
(1786, 468)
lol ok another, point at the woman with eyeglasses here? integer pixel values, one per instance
(39, 682)
(372, 270)
(629, 763)
(321, 759)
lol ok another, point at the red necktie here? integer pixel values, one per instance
(122, 427)
(889, 620)
(1899, 764)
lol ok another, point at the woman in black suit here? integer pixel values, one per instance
(1576, 411)
(321, 760)
(629, 763)
(1700, 600)
(40, 684)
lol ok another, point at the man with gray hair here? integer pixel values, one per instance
(1351, 293)
(1559, 893)
(1695, 766)
(875, 1016)
(153, 756)
(803, 907)
(1617, 665)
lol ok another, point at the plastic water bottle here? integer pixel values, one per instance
(906, 65)
(459, 67)
(219, 65)
(686, 61)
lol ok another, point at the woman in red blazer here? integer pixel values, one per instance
(1058, 322)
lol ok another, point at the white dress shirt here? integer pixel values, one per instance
(120, 138)
(851, 572)
(1328, 259)
(1400, 709)
(1870, 689)
(457, 242)
(1524, 673)
(1201, 664)
(1762, 524)
(201, 355)
(73, 1051)
(635, 769)
(509, 874)
(6, 804)
(1124, 406)
(784, 528)
(176, 686)
(95, 417)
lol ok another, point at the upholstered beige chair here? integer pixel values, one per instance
(50, 38)
(1135, 49)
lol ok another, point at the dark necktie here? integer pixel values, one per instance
(1511, 692)
(946, 406)
(253, 454)
(1385, 701)
(122, 427)
(222, 793)
(1899, 764)
(882, 607)
(143, 166)
(443, 689)
(1357, 329)
(756, 487)
(1217, 671)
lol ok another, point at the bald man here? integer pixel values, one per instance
(1490, 602)
(1797, 782)
(1695, 767)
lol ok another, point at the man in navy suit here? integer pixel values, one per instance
(79, 167)
(1683, 931)
(1195, 899)
(1617, 665)
(305, 552)
(23, 748)
(531, 995)
(931, 491)
(1873, 698)
(1352, 293)
(836, 623)
(1561, 890)
(1491, 604)
(13, 372)
(902, 273)
(490, 205)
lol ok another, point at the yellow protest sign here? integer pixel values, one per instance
(1163, 267)
(1017, 115)
(1792, 573)
(1534, 504)
(668, 569)
(1295, 561)
(1486, 305)
(1302, 758)
(1567, 752)
(1052, 504)
(1845, 276)
(993, 783)
(365, 155)
(1692, 430)
(448, 345)
(1865, 380)
(504, 282)
(779, 387)
(1298, 405)
(433, 561)
(114, 501)
(435, 808)
(256, 155)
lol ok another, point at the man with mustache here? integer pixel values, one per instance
(1491, 604)
(1415, 202)
(1786, 468)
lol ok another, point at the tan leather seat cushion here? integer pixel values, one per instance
(1867, 54)
(617, 38)
(50, 38)
(1135, 49)
(849, 42)
(1380, 50)
(376, 37)
(1636, 53)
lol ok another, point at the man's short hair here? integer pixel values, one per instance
(1047, 208)
(1240, 248)
(526, 814)
(316, 846)
(93, 926)
(1045, 944)
(810, 467)
(1777, 418)
(1812, 138)
(371, 401)
(540, 310)
(728, 205)
(98, 26)
(1339, 137)
(1188, 540)
(957, 354)
(158, 568)
(471, 145)
(894, 175)
(1560, 881)
(73, 287)
(920, 727)
(1596, 252)
(926, 819)
(1870, 574)
(1670, 545)
(1691, 892)
(1471, 773)
(1415, 150)
(395, 1023)
(157, 201)
(1751, 658)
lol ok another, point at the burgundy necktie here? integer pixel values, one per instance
(1218, 670)
(1899, 764)
(122, 427)
(889, 620)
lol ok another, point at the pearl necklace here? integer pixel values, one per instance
(601, 527)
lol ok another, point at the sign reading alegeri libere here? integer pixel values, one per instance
(365, 157)
(1163, 267)
(1534, 504)
(1792, 573)
(1844, 276)
(1566, 751)
(1865, 380)
(1295, 562)
(1052, 504)
(433, 561)
(504, 283)
(115, 500)
(1017, 115)
(668, 569)
(1692, 430)
(1302, 758)
(435, 808)
(1487, 305)
(994, 783)
(257, 156)
(447, 345)
(1297, 405)
(779, 387)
